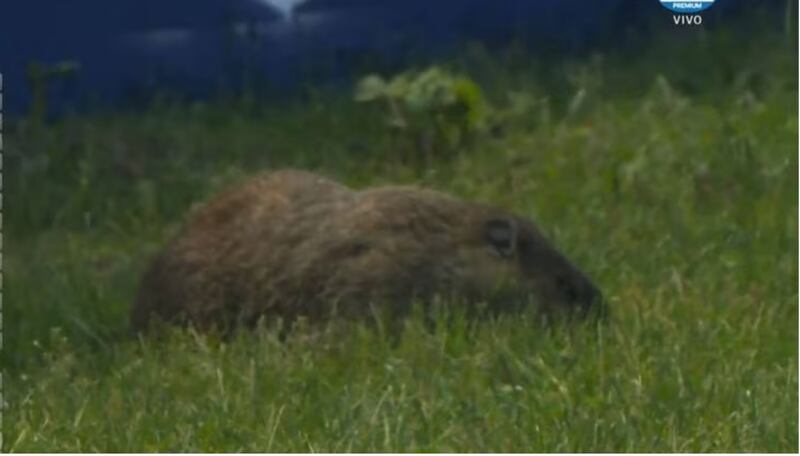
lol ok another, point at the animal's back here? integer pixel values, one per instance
(210, 263)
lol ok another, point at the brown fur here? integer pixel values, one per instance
(293, 243)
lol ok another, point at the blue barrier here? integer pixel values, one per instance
(114, 53)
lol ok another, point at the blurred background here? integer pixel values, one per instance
(64, 57)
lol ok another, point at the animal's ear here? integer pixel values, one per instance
(501, 234)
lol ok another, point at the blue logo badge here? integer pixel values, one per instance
(687, 7)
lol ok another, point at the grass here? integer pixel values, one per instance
(669, 175)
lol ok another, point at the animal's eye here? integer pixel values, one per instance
(501, 234)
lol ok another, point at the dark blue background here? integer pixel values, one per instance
(130, 49)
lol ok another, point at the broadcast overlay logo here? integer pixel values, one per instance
(687, 7)
(686, 13)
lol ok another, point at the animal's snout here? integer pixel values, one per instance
(581, 294)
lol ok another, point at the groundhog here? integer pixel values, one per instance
(292, 243)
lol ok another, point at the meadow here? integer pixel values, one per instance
(668, 171)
